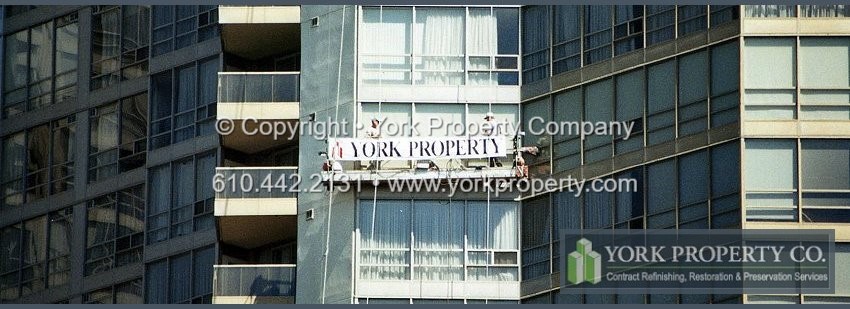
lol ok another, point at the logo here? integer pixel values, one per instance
(584, 264)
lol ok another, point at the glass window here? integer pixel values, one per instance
(156, 277)
(763, 11)
(177, 114)
(41, 65)
(15, 73)
(825, 78)
(598, 210)
(161, 93)
(769, 78)
(208, 95)
(115, 230)
(535, 114)
(438, 250)
(202, 271)
(119, 44)
(134, 126)
(10, 260)
(438, 46)
(567, 146)
(628, 28)
(185, 98)
(660, 23)
(159, 203)
(825, 180)
(118, 137)
(826, 164)
(59, 247)
(63, 140)
(129, 292)
(629, 205)
(693, 190)
(566, 50)
(176, 27)
(535, 43)
(693, 88)
(39, 70)
(821, 60)
(597, 33)
(184, 278)
(103, 142)
(770, 173)
(385, 228)
(536, 226)
(661, 177)
(692, 18)
(106, 46)
(33, 255)
(660, 109)
(14, 156)
(630, 95)
(204, 194)
(49, 164)
(179, 282)
(100, 229)
(38, 161)
(841, 10)
(598, 107)
(385, 45)
(725, 169)
(101, 296)
(182, 200)
(492, 32)
(725, 80)
(721, 14)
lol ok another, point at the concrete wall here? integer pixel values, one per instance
(321, 72)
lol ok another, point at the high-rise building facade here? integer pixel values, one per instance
(105, 108)
(741, 119)
(181, 195)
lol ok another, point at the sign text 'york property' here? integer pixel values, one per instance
(416, 148)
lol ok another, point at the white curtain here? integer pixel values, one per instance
(769, 11)
(503, 226)
(385, 45)
(439, 37)
(384, 239)
(476, 224)
(482, 32)
(825, 10)
(482, 41)
(438, 230)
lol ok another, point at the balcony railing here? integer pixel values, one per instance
(259, 87)
(256, 182)
(254, 280)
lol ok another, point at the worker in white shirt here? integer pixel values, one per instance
(490, 128)
(374, 132)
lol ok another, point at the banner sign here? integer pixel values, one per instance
(416, 148)
(698, 261)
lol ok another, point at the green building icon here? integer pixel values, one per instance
(584, 264)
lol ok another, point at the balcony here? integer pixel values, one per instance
(255, 191)
(257, 32)
(260, 14)
(254, 284)
(254, 101)
(269, 95)
(255, 206)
